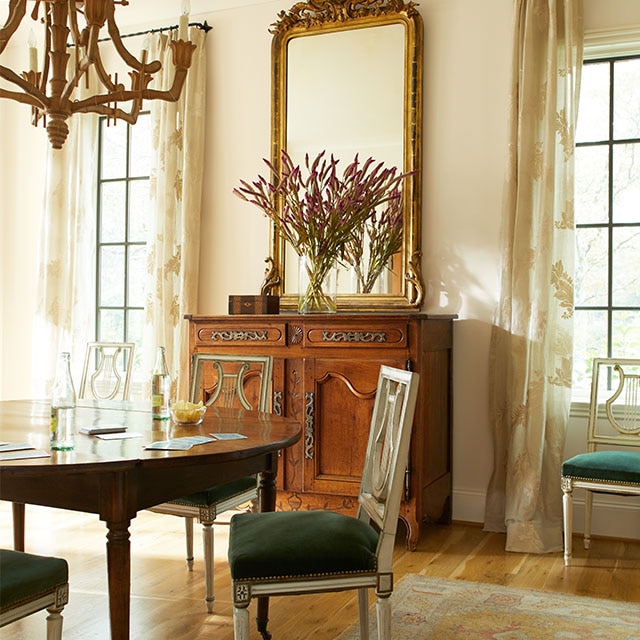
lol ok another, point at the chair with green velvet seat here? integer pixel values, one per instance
(610, 464)
(301, 552)
(227, 381)
(30, 583)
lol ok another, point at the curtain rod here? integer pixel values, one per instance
(200, 25)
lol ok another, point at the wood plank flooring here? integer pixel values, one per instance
(168, 601)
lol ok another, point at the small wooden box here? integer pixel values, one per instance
(254, 304)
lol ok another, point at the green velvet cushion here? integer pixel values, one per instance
(219, 493)
(299, 543)
(611, 466)
(25, 577)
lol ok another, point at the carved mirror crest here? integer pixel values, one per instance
(347, 79)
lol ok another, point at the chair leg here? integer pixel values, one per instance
(207, 542)
(363, 613)
(188, 532)
(18, 525)
(588, 507)
(240, 623)
(54, 623)
(383, 613)
(567, 514)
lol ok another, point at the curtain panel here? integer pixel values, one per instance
(173, 233)
(532, 337)
(65, 290)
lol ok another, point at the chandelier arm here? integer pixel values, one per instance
(116, 38)
(32, 95)
(114, 112)
(170, 95)
(20, 97)
(17, 11)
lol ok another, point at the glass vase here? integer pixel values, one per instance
(318, 285)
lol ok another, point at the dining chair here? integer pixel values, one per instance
(106, 374)
(226, 381)
(30, 583)
(610, 464)
(301, 552)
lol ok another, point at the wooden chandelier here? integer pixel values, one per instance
(51, 90)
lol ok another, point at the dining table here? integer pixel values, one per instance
(117, 475)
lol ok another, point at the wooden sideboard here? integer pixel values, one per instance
(325, 374)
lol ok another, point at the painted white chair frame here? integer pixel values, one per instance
(102, 374)
(379, 505)
(614, 422)
(232, 387)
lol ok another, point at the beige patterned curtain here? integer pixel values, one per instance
(66, 277)
(174, 225)
(531, 345)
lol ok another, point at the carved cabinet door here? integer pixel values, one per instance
(338, 397)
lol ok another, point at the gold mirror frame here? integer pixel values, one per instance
(324, 16)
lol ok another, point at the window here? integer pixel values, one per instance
(123, 204)
(607, 215)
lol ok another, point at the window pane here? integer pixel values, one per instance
(591, 276)
(138, 210)
(626, 267)
(590, 341)
(592, 184)
(112, 211)
(111, 328)
(593, 110)
(114, 150)
(626, 334)
(136, 275)
(111, 277)
(626, 115)
(141, 147)
(626, 183)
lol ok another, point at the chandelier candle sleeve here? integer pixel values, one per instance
(63, 406)
(183, 29)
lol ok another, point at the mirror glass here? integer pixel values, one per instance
(346, 87)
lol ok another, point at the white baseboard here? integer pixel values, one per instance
(613, 516)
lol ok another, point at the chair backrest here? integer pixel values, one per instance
(387, 456)
(232, 380)
(614, 409)
(107, 371)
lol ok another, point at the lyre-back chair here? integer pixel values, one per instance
(107, 371)
(229, 381)
(299, 552)
(30, 583)
(610, 464)
(106, 375)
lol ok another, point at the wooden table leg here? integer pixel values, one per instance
(267, 500)
(18, 525)
(119, 570)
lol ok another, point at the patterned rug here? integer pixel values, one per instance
(437, 609)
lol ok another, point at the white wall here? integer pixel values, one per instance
(467, 65)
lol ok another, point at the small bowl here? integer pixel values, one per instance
(187, 413)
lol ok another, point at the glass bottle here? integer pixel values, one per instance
(63, 407)
(160, 387)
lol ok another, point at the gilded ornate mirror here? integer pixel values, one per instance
(347, 79)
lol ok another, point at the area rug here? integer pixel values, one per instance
(438, 609)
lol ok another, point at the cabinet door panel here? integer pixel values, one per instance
(338, 418)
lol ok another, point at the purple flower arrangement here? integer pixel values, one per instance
(327, 218)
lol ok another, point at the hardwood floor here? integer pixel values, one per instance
(168, 601)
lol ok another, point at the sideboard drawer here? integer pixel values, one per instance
(233, 334)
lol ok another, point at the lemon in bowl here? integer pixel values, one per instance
(187, 412)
